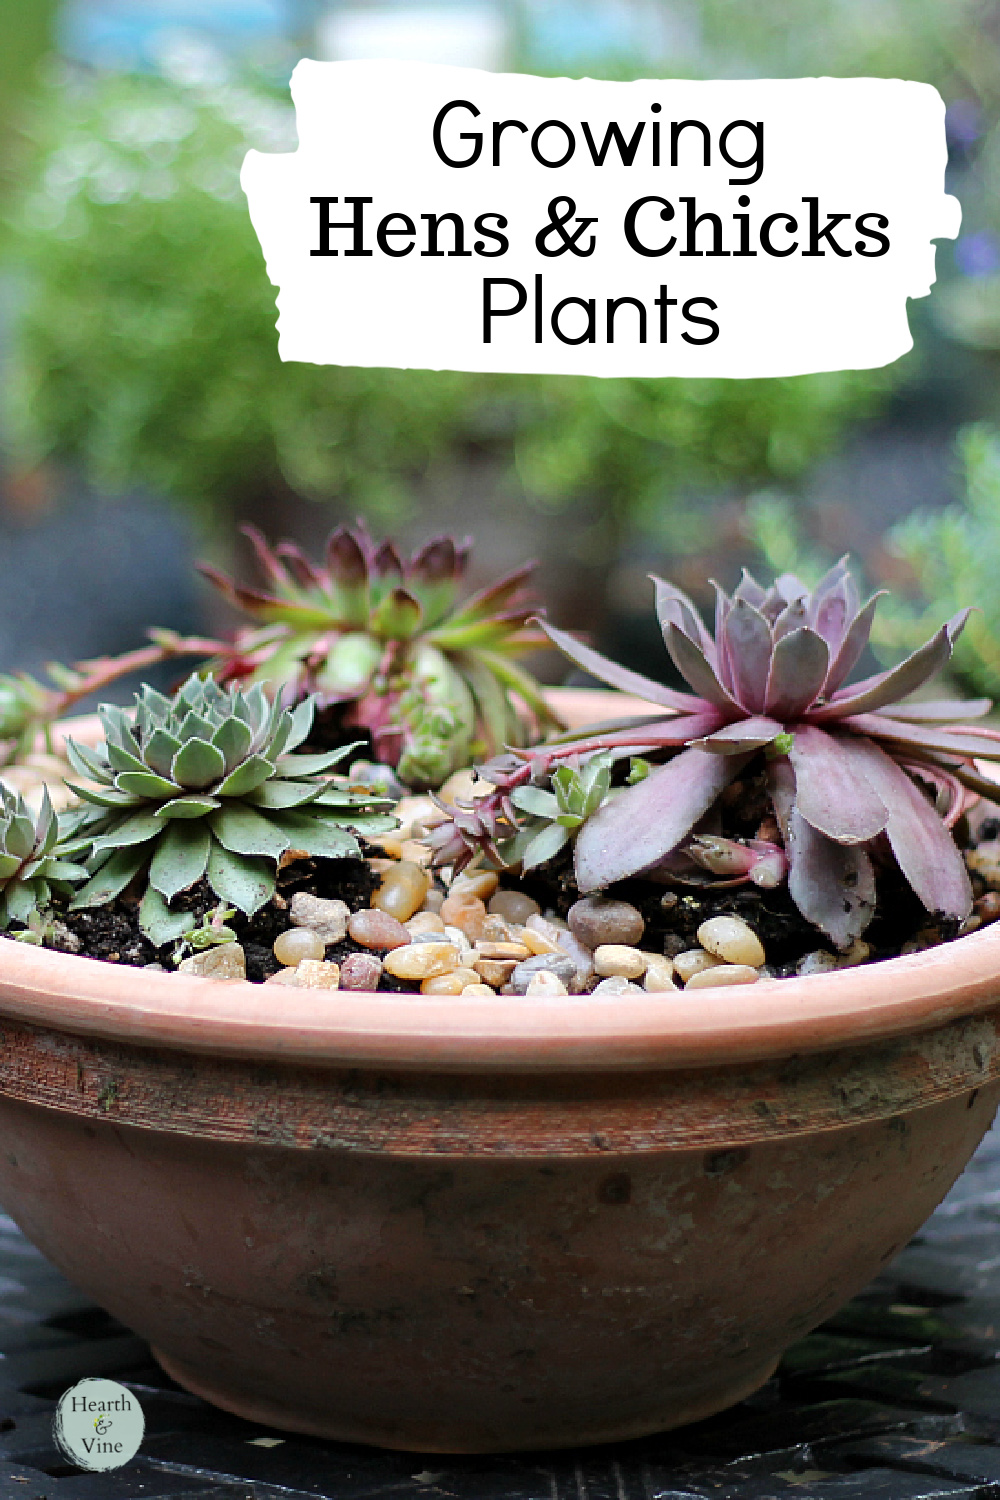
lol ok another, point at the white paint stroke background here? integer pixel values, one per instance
(861, 145)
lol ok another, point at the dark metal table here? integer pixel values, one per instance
(896, 1398)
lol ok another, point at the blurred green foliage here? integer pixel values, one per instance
(954, 555)
(27, 35)
(951, 558)
(144, 345)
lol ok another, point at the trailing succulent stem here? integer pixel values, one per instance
(32, 868)
(433, 679)
(854, 774)
(28, 708)
(206, 784)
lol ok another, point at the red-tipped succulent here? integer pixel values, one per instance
(852, 771)
(429, 676)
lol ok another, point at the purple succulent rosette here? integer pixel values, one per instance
(846, 765)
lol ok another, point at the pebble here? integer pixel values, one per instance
(494, 971)
(819, 961)
(858, 953)
(317, 974)
(452, 983)
(514, 906)
(421, 960)
(732, 940)
(616, 984)
(534, 941)
(283, 976)
(612, 959)
(360, 971)
(402, 890)
(291, 947)
(465, 912)
(496, 930)
(458, 937)
(224, 961)
(392, 845)
(441, 935)
(481, 883)
(414, 813)
(988, 906)
(415, 853)
(546, 927)
(434, 900)
(543, 963)
(597, 920)
(517, 951)
(479, 992)
(376, 929)
(673, 944)
(985, 861)
(465, 786)
(581, 956)
(691, 962)
(659, 974)
(723, 974)
(424, 921)
(544, 982)
(328, 918)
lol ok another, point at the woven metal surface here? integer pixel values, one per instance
(896, 1398)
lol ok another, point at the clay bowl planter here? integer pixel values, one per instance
(401, 1220)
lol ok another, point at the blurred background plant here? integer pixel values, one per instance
(140, 360)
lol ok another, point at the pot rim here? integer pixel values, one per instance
(510, 1033)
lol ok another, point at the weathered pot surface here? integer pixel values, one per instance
(401, 1220)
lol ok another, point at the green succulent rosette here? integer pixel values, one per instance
(32, 869)
(207, 784)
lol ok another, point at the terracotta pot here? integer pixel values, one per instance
(515, 1224)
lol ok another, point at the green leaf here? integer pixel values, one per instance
(85, 763)
(368, 824)
(247, 777)
(180, 858)
(123, 760)
(638, 770)
(233, 739)
(101, 798)
(195, 726)
(317, 836)
(282, 794)
(159, 923)
(64, 869)
(112, 878)
(239, 880)
(242, 830)
(569, 820)
(532, 799)
(302, 722)
(545, 845)
(19, 837)
(186, 807)
(145, 784)
(21, 898)
(137, 829)
(292, 766)
(8, 864)
(198, 764)
(159, 751)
